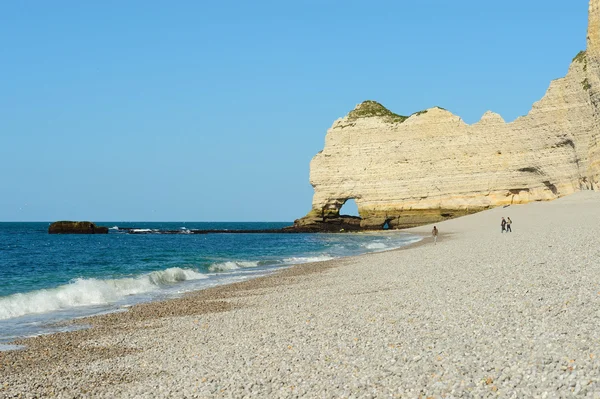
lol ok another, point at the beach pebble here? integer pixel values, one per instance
(477, 315)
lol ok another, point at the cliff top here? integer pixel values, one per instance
(370, 109)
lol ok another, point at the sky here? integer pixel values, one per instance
(212, 110)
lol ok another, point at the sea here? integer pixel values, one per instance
(47, 279)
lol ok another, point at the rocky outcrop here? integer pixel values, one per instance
(318, 223)
(67, 227)
(409, 170)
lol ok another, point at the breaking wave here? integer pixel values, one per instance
(376, 245)
(308, 259)
(236, 265)
(229, 266)
(86, 292)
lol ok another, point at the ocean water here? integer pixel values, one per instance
(45, 279)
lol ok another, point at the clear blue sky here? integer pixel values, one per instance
(212, 110)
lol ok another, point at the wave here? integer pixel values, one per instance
(231, 265)
(375, 245)
(236, 265)
(86, 292)
(308, 259)
(413, 240)
(114, 228)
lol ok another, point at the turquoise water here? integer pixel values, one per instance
(48, 278)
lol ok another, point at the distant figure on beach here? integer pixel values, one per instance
(434, 233)
(503, 224)
(508, 223)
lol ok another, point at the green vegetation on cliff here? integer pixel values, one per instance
(586, 84)
(581, 57)
(369, 108)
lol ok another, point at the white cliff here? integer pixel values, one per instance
(432, 165)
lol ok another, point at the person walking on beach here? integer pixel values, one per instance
(508, 223)
(434, 233)
(503, 224)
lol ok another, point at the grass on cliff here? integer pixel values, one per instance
(586, 84)
(581, 57)
(369, 108)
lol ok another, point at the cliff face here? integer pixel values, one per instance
(432, 165)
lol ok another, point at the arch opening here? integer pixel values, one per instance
(349, 208)
(386, 225)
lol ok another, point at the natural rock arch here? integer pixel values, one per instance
(431, 165)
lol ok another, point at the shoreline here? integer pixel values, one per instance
(19, 343)
(479, 313)
(142, 316)
(192, 303)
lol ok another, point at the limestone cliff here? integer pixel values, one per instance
(429, 166)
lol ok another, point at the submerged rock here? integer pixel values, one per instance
(68, 227)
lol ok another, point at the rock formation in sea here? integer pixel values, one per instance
(429, 166)
(68, 227)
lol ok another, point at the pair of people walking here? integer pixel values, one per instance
(505, 224)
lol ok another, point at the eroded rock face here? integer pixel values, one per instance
(407, 171)
(68, 227)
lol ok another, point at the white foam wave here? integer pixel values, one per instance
(375, 245)
(114, 228)
(308, 259)
(229, 266)
(86, 292)
(141, 230)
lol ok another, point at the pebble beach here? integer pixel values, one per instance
(479, 314)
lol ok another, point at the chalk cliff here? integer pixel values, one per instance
(430, 166)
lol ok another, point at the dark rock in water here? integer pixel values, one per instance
(337, 224)
(68, 227)
(131, 230)
(333, 224)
